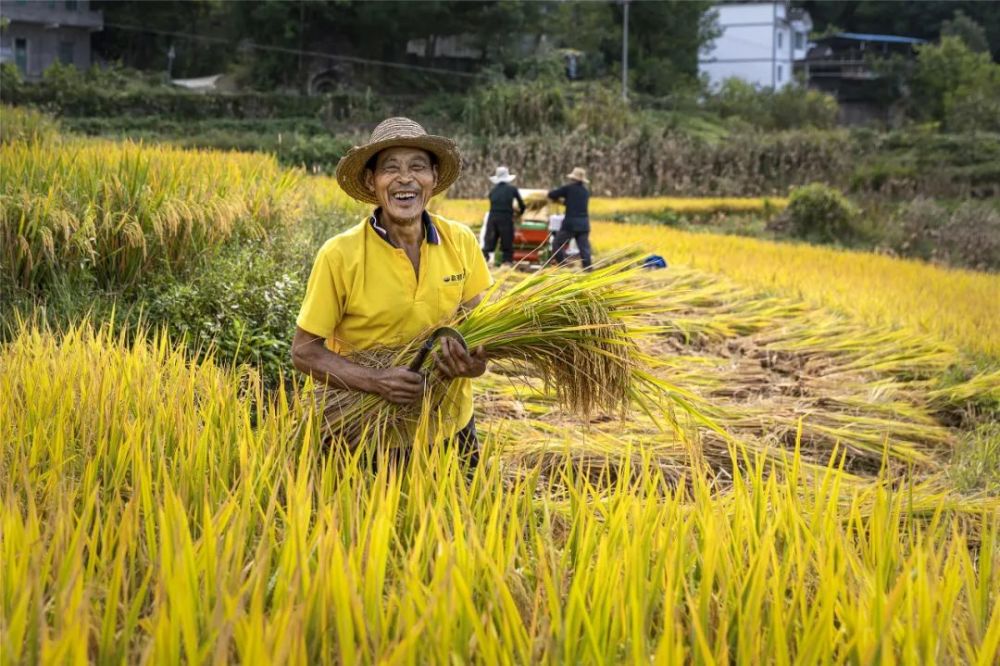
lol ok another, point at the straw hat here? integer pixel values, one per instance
(578, 173)
(392, 133)
(503, 175)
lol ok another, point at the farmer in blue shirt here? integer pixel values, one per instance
(500, 222)
(576, 223)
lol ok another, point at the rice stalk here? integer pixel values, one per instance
(157, 508)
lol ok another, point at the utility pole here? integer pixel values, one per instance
(171, 54)
(625, 53)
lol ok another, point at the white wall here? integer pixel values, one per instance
(756, 45)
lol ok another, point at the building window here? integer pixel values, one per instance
(780, 73)
(800, 40)
(72, 5)
(780, 35)
(21, 54)
(66, 53)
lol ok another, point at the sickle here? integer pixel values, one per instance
(425, 349)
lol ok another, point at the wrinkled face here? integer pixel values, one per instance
(403, 181)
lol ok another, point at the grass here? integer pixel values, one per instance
(976, 462)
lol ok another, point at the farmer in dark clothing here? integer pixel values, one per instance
(576, 223)
(500, 222)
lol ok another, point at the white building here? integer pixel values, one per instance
(759, 43)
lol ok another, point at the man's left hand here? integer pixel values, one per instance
(454, 361)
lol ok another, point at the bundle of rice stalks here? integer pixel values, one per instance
(576, 332)
(535, 202)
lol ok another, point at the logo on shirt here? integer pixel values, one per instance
(455, 277)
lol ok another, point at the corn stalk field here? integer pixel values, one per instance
(778, 486)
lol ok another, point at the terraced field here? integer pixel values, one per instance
(804, 473)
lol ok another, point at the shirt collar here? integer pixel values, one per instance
(430, 231)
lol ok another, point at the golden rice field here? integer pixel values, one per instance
(153, 510)
(121, 208)
(474, 209)
(782, 489)
(960, 307)
(957, 306)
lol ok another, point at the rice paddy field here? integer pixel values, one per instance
(766, 453)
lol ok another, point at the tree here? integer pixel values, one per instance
(956, 86)
(912, 19)
(968, 31)
(664, 40)
(134, 36)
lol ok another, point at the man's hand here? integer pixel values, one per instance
(454, 361)
(398, 385)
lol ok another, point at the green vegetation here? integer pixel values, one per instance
(976, 462)
(820, 214)
(788, 108)
(957, 86)
(967, 234)
(122, 93)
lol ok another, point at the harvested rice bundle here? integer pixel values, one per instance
(575, 331)
(537, 201)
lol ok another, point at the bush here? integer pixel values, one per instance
(242, 304)
(915, 229)
(975, 105)
(600, 109)
(969, 236)
(819, 213)
(66, 91)
(506, 108)
(242, 300)
(795, 106)
(790, 107)
(11, 83)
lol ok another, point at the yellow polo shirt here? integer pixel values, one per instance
(363, 292)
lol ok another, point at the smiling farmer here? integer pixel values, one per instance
(394, 277)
